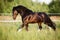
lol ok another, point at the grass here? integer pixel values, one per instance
(8, 31)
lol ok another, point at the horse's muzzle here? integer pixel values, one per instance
(14, 18)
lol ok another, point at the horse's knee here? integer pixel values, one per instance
(22, 25)
(26, 26)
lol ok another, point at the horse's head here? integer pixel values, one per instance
(18, 9)
(15, 13)
(23, 11)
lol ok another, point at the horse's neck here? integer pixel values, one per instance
(23, 16)
(25, 13)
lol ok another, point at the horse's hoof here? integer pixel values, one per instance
(19, 30)
(38, 30)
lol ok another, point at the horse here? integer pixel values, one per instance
(28, 16)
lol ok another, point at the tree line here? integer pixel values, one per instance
(7, 5)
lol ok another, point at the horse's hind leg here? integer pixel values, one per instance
(20, 28)
(39, 24)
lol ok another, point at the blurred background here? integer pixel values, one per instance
(48, 6)
(8, 26)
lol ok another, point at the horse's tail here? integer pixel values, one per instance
(48, 21)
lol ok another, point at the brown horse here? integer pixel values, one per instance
(29, 16)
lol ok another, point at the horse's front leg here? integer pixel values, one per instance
(26, 26)
(20, 28)
(40, 27)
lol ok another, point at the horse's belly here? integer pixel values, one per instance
(34, 20)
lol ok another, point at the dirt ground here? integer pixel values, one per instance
(55, 17)
(9, 18)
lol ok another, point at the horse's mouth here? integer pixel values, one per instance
(14, 18)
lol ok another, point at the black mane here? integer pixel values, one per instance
(22, 7)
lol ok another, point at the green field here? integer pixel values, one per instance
(8, 31)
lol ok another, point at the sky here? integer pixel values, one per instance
(41, 1)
